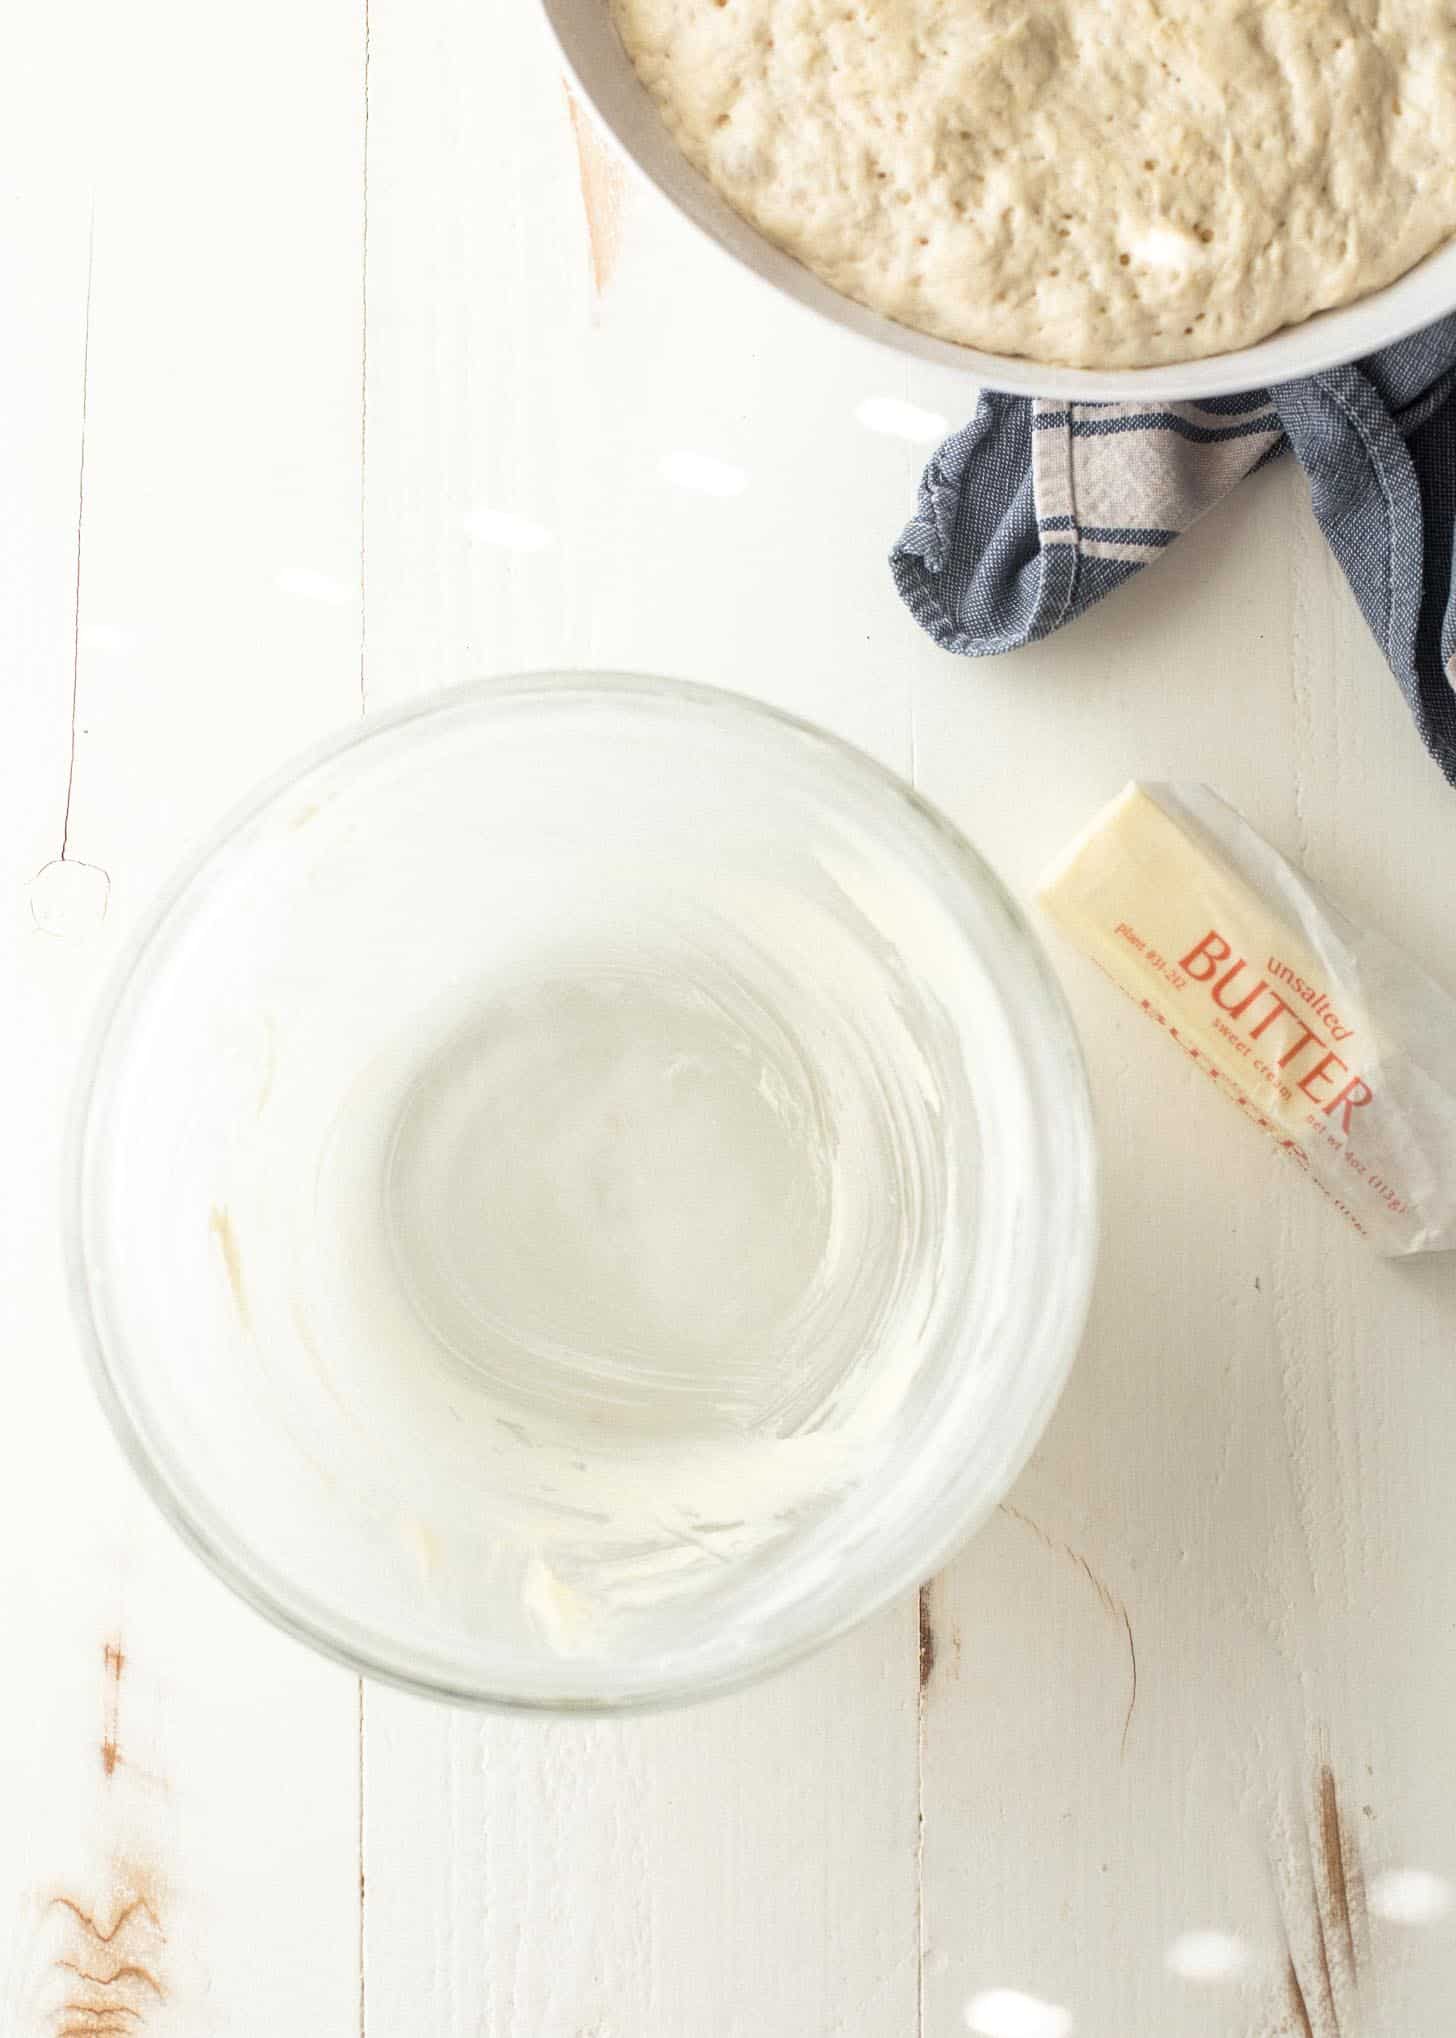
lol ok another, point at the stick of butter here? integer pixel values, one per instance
(1328, 1038)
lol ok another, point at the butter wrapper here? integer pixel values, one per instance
(1327, 1037)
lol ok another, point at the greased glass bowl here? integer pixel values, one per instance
(581, 1192)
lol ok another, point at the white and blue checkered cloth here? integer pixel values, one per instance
(1036, 510)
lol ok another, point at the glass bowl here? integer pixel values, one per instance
(581, 1192)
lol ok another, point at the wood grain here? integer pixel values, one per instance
(748, 1866)
(603, 184)
(1242, 1455)
(337, 378)
(179, 411)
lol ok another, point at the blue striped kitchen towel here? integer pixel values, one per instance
(1036, 510)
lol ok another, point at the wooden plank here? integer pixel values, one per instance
(550, 442)
(588, 440)
(179, 1845)
(588, 444)
(747, 1866)
(1240, 1513)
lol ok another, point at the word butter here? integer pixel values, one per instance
(1328, 1038)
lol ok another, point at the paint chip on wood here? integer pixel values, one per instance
(106, 1979)
(1342, 1865)
(1298, 2004)
(927, 1637)
(113, 1658)
(603, 197)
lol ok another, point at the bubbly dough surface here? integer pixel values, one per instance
(1100, 183)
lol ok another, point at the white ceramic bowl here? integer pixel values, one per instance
(605, 78)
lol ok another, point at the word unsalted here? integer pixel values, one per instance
(1329, 1038)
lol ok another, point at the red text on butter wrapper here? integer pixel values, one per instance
(1212, 963)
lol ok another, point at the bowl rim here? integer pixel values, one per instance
(180, 1497)
(1327, 339)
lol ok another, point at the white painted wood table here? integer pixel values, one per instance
(337, 361)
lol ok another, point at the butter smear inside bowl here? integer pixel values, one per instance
(1328, 1037)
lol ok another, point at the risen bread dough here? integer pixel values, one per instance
(1096, 182)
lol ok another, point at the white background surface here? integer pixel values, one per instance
(335, 363)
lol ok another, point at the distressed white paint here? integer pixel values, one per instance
(1246, 1487)
(745, 1866)
(197, 1799)
(1249, 1460)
